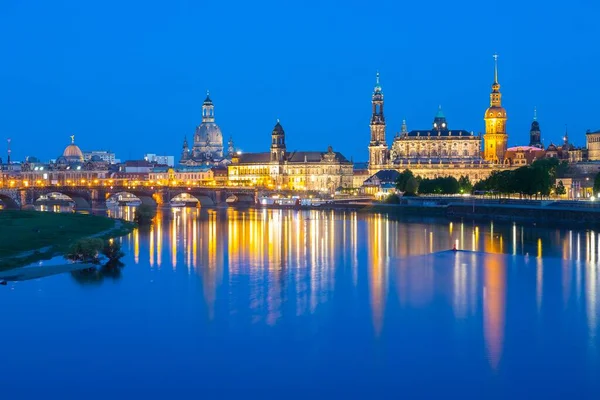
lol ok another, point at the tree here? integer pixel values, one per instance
(112, 251)
(465, 185)
(446, 185)
(86, 250)
(144, 214)
(407, 183)
(560, 189)
(597, 183)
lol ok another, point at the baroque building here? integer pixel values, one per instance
(439, 145)
(441, 151)
(207, 148)
(495, 138)
(296, 170)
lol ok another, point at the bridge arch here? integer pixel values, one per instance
(144, 197)
(8, 202)
(82, 202)
(205, 199)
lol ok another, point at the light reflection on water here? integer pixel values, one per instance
(328, 273)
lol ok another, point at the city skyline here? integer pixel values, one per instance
(321, 91)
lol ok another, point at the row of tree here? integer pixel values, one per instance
(536, 179)
(410, 185)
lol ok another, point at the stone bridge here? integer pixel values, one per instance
(95, 197)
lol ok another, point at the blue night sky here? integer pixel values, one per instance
(130, 76)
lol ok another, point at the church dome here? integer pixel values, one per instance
(495, 112)
(209, 132)
(73, 152)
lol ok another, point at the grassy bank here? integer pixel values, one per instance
(28, 236)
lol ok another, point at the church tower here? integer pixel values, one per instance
(535, 135)
(495, 138)
(185, 151)
(378, 148)
(278, 144)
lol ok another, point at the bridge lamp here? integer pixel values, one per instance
(26, 183)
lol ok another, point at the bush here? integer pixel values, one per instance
(112, 250)
(85, 250)
(391, 199)
(144, 214)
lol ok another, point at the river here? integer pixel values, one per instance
(294, 304)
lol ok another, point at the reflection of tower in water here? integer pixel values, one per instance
(377, 262)
(494, 306)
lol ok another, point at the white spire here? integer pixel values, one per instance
(495, 67)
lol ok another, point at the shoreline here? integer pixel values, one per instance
(55, 237)
(543, 212)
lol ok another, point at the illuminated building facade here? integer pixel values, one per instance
(431, 153)
(69, 169)
(593, 145)
(438, 145)
(192, 175)
(296, 170)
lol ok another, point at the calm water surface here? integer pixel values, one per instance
(286, 304)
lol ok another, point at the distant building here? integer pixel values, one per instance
(535, 134)
(190, 175)
(68, 169)
(296, 170)
(382, 183)
(593, 145)
(163, 160)
(101, 155)
(360, 174)
(567, 152)
(523, 155)
(220, 175)
(137, 166)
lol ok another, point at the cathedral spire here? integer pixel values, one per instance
(496, 68)
(377, 88)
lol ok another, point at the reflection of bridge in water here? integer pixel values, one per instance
(86, 197)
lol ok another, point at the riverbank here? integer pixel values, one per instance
(30, 236)
(543, 212)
